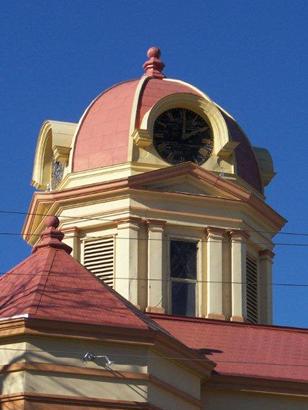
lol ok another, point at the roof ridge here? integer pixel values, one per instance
(141, 315)
(53, 285)
(47, 270)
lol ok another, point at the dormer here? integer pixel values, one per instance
(52, 154)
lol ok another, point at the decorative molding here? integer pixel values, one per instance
(12, 327)
(227, 150)
(240, 319)
(61, 153)
(47, 200)
(72, 370)
(238, 235)
(141, 138)
(158, 341)
(216, 316)
(74, 230)
(257, 385)
(156, 225)
(39, 401)
(131, 221)
(214, 232)
(197, 104)
(266, 254)
(93, 372)
(155, 309)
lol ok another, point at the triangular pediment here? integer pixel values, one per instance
(186, 185)
(188, 179)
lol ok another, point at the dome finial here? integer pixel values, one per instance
(51, 221)
(153, 67)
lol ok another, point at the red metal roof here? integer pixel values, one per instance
(103, 135)
(246, 350)
(155, 89)
(50, 284)
(246, 164)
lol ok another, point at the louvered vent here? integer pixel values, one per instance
(252, 289)
(98, 257)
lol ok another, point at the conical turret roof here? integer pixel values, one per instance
(50, 284)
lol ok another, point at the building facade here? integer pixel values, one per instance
(156, 177)
(149, 283)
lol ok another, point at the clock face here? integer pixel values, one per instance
(181, 135)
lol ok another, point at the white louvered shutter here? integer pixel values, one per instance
(252, 289)
(98, 257)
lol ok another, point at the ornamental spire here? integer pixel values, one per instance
(51, 236)
(153, 67)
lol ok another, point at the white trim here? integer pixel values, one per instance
(25, 316)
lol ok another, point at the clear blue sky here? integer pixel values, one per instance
(249, 56)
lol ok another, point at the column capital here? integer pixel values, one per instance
(266, 254)
(238, 235)
(130, 221)
(212, 232)
(71, 230)
(155, 224)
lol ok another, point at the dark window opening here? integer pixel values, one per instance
(183, 274)
(252, 289)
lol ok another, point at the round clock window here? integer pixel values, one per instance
(181, 135)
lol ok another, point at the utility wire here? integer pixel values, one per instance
(182, 280)
(102, 218)
(154, 239)
(180, 358)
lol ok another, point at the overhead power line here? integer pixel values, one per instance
(167, 280)
(102, 218)
(152, 239)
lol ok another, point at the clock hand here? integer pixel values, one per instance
(183, 124)
(186, 136)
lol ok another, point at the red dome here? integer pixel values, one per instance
(103, 134)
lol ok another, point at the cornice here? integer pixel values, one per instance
(27, 400)
(215, 232)
(138, 183)
(76, 371)
(266, 254)
(163, 344)
(257, 385)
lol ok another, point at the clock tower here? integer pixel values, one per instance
(161, 195)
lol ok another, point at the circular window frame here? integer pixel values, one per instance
(200, 106)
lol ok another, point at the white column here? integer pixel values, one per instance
(238, 275)
(126, 266)
(214, 273)
(265, 269)
(156, 263)
(72, 239)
